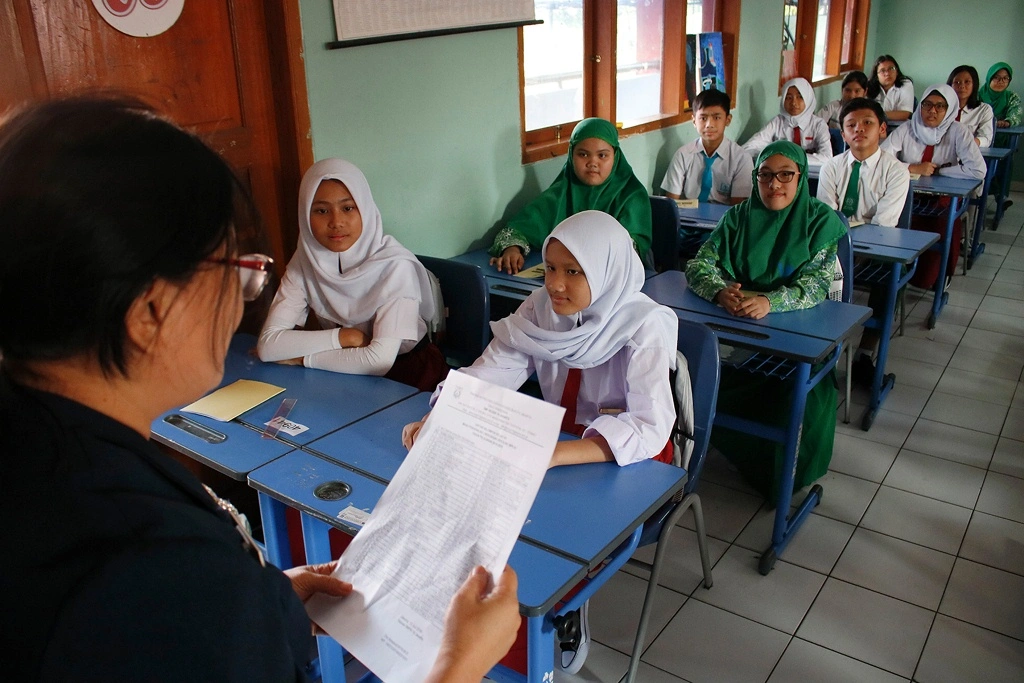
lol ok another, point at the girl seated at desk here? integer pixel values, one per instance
(599, 347)
(933, 143)
(796, 121)
(371, 296)
(976, 115)
(893, 90)
(774, 252)
(596, 176)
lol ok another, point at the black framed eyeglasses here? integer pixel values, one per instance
(253, 272)
(765, 177)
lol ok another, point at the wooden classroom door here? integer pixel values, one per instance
(229, 70)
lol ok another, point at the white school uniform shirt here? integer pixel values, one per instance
(731, 172)
(816, 139)
(633, 381)
(957, 146)
(980, 123)
(898, 98)
(830, 113)
(882, 186)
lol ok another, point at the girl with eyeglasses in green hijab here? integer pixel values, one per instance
(771, 253)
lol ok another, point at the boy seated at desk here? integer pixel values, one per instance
(868, 185)
(712, 168)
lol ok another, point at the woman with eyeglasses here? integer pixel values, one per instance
(371, 296)
(1005, 103)
(893, 90)
(120, 288)
(774, 252)
(934, 143)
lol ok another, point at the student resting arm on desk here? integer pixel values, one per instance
(599, 347)
(371, 296)
(777, 250)
(781, 242)
(132, 570)
(596, 176)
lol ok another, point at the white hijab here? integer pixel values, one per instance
(803, 119)
(617, 308)
(921, 130)
(348, 288)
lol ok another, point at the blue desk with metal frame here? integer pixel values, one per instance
(1013, 133)
(786, 346)
(704, 217)
(500, 283)
(996, 158)
(928, 191)
(886, 252)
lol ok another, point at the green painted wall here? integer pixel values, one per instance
(434, 123)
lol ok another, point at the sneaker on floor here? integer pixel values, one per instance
(863, 370)
(574, 639)
(1007, 204)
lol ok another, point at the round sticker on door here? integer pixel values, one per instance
(142, 18)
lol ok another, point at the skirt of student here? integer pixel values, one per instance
(767, 400)
(423, 367)
(928, 263)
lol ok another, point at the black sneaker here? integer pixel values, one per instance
(1007, 204)
(863, 370)
(573, 634)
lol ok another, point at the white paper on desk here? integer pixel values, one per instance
(459, 500)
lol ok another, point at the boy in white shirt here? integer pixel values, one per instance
(866, 184)
(712, 168)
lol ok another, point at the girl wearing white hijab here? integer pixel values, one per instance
(796, 122)
(934, 143)
(371, 296)
(600, 348)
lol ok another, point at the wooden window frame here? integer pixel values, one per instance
(599, 75)
(807, 24)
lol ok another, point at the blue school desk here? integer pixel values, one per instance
(927, 190)
(555, 550)
(500, 283)
(786, 346)
(996, 159)
(704, 217)
(887, 251)
(1013, 133)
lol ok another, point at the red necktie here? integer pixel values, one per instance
(796, 136)
(929, 150)
(958, 112)
(569, 396)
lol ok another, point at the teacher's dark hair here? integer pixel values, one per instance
(99, 197)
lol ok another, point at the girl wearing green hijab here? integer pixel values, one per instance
(774, 252)
(1004, 102)
(596, 176)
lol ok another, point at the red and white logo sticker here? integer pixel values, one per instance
(141, 18)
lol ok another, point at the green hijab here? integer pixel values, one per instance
(764, 249)
(999, 101)
(621, 195)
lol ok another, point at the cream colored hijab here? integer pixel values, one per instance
(348, 288)
(617, 308)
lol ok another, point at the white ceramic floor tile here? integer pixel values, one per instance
(997, 342)
(946, 331)
(1009, 458)
(979, 272)
(957, 651)
(914, 373)
(951, 315)
(861, 458)
(1018, 396)
(976, 386)
(987, 362)
(681, 569)
(959, 444)
(605, 665)
(1006, 290)
(705, 644)
(780, 599)
(717, 470)
(925, 521)
(816, 546)
(844, 498)
(1014, 426)
(996, 304)
(906, 399)
(996, 542)
(889, 427)
(965, 412)
(925, 350)
(1013, 277)
(1002, 496)
(965, 284)
(986, 597)
(615, 611)
(868, 626)
(997, 322)
(726, 511)
(804, 661)
(966, 299)
(937, 478)
(896, 568)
